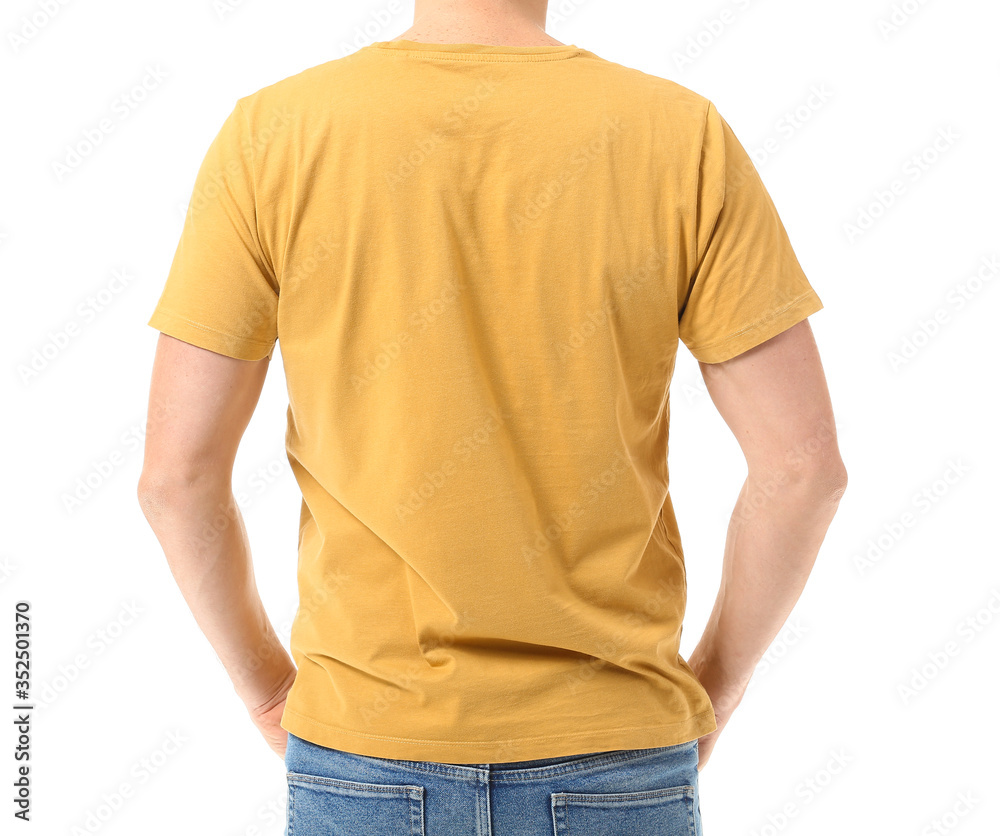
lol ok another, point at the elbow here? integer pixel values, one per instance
(158, 493)
(150, 487)
(828, 482)
(836, 483)
(150, 496)
(823, 480)
(163, 491)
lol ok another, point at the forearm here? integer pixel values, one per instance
(205, 543)
(771, 545)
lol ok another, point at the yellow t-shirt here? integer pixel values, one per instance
(479, 261)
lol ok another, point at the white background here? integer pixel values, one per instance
(113, 687)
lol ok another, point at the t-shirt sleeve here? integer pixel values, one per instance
(748, 286)
(221, 293)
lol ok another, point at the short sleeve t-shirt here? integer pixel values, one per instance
(479, 262)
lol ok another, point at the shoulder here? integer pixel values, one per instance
(281, 100)
(657, 91)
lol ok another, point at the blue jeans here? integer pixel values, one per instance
(638, 792)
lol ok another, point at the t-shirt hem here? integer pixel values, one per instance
(240, 348)
(508, 749)
(760, 331)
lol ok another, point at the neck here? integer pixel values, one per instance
(498, 22)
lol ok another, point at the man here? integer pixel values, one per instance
(479, 248)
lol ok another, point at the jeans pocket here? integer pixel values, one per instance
(321, 806)
(670, 811)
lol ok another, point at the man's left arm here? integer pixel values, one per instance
(200, 404)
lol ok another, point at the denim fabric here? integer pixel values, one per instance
(625, 792)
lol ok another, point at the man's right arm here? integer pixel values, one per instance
(775, 400)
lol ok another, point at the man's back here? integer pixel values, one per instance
(478, 261)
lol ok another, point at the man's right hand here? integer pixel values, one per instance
(707, 743)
